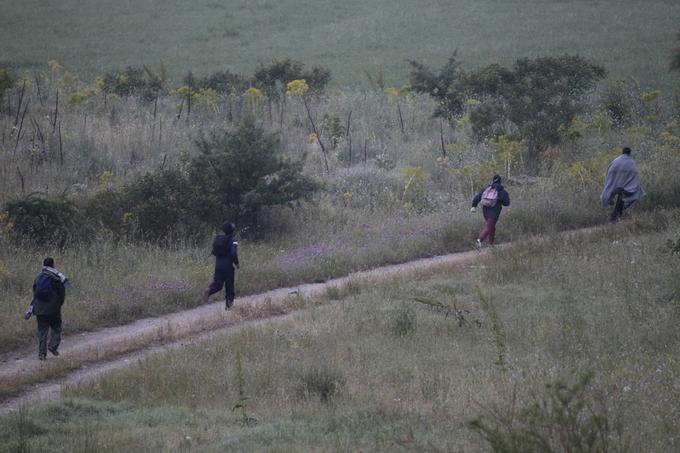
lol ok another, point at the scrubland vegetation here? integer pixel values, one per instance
(565, 343)
(132, 173)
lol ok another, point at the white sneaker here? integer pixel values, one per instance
(478, 244)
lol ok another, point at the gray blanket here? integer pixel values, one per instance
(622, 176)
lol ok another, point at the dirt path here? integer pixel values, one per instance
(86, 356)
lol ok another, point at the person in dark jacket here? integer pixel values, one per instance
(490, 208)
(49, 292)
(225, 249)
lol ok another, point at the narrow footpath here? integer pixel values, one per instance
(89, 355)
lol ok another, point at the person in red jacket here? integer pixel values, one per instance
(492, 198)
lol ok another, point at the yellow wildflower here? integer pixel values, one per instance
(297, 87)
(106, 177)
(253, 94)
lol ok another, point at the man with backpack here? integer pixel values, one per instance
(49, 292)
(492, 198)
(225, 249)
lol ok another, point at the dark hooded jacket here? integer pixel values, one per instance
(51, 307)
(493, 212)
(225, 249)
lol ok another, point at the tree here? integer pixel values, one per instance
(238, 172)
(546, 93)
(444, 86)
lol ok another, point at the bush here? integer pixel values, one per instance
(224, 82)
(240, 171)
(7, 81)
(324, 382)
(43, 221)
(561, 420)
(132, 81)
(445, 86)
(156, 206)
(530, 101)
(538, 95)
(404, 322)
(273, 78)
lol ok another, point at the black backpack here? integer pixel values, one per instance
(43, 288)
(222, 246)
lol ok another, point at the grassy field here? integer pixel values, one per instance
(350, 37)
(378, 371)
(398, 200)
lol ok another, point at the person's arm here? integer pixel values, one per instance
(477, 199)
(505, 198)
(61, 292)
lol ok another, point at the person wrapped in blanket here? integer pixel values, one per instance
(621, 185)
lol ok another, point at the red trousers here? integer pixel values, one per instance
(488, 231)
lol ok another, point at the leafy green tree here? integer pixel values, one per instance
(239, 171)
(546, 93)
(445, 86)
(529, 101)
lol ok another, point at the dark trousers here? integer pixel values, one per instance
(224, 276)
(619, 207)
(488, 231)
(45, 323)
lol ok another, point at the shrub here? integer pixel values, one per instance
(133, 81)
(675, 59)
(240, 171)
(321, 381)
(538, 95)
(561, 420)
(43, 221)
(273, 78)
(444, 86)
(224, 82)
(7, 81)
(404, 322)
(154, 207)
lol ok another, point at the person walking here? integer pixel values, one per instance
(225, 249)
(621, 185)
(492, 198)
(49, 292)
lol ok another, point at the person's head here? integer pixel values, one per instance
(48, 262)
(228, 228)
(626, 151)
(496, 179)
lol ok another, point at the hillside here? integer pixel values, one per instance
(349, 37)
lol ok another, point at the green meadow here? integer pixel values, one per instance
(568, 341)
(632, 40)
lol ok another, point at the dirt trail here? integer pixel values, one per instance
(89, 355)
